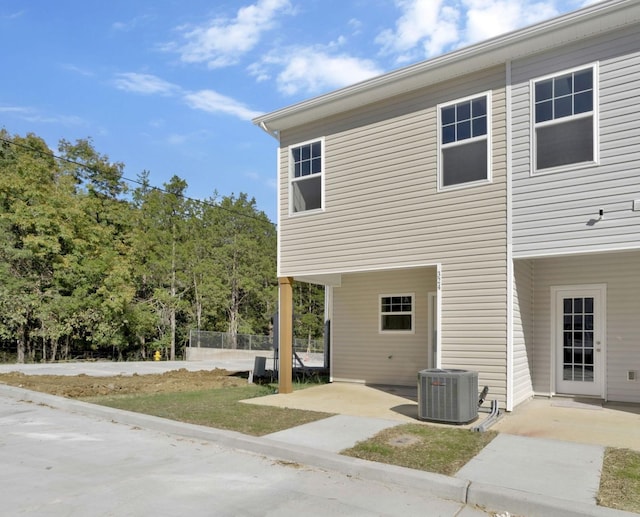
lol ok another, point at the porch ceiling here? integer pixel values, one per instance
(331, 279)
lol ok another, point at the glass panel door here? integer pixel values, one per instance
(577, 339)
(579, 347)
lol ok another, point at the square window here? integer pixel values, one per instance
(562, 107)
(449, 115)
(544, 90)
(448, 134)
(479, 126)
(463, 111)
(306, 172)
(583, 81)
(582, 102)
(563, 119)
(544, 111)
(479, 107)
(464, 130)
(464, 142)
(396, 313)
(563, 85)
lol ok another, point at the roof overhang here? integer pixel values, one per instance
(595, 19)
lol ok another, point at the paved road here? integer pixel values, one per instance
(54, 462)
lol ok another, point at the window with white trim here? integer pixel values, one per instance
(464, 141)
(397, 313)
(564, 119)
(306, 182)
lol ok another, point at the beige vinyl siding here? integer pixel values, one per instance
(382, 207)
(383, 211)
(473, 321)
(359, 351)
(621, 273)
(523, 350)
(556, 212)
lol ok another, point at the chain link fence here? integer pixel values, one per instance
(225, 341)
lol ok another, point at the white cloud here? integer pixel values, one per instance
(129, 25)
(144, 83)
(33, 115)
(486, 19)
(12, 16)
(312, 70)
(213, 102)
(222, 41)
(426, 28)
(77, 70)
(15, 109)
(177, 139)
(428, 25)
(205, 100)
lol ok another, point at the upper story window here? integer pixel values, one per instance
(564, 119)
(396, 313)
(306, 171)
(464, 141)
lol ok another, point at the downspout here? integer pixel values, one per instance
(509, 238)
(438, 340)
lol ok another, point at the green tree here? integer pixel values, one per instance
(35, 199)
(244, 241)
(97, 270)
(308, 303)
(159, 239)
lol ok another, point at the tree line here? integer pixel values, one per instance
(90, 267)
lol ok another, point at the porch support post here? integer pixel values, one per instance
(285, 314)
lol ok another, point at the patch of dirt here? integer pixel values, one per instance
(80, 386)
(404, 440)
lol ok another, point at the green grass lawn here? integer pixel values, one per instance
(434, 449)
(620, 480)
(219, 408)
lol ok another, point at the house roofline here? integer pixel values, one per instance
(562, 30)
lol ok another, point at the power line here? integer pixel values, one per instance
(129, 180)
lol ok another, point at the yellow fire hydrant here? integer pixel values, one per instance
(157, 355)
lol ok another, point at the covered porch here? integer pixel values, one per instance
(384, 325)
(576, 326)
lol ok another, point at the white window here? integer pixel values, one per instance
(464, 141)
(306, 166)
(397, 312)
(564, 119)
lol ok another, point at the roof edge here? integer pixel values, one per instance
(595, 19)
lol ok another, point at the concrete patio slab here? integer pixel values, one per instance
(575, 420)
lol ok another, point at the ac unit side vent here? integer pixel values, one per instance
(449, 396)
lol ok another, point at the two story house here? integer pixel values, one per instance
(479, 210)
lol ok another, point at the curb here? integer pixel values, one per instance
(445, 487)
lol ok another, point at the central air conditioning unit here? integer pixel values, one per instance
(449, 396)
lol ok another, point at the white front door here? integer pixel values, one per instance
(579, 339)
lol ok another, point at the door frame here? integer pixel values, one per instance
(600, 367)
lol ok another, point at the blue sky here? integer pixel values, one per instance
(170, 86)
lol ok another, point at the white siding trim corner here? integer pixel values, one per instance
(509, 230)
